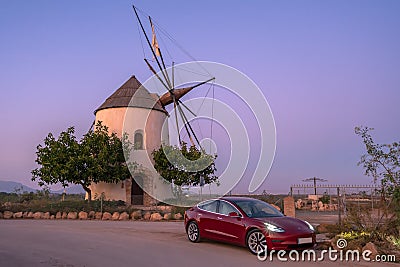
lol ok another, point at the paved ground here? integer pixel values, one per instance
(131, 243)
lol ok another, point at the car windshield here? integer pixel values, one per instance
(257, 209)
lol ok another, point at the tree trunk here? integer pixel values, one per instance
(88, 191)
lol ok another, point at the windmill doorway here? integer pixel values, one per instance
(137, 191)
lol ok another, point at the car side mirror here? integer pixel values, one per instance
(234, 214)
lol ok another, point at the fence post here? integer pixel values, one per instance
(339, 206)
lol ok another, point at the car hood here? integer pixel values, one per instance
(287, 223)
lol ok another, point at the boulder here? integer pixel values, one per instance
(83, 215)
(25, 215)
(64, 215)
(178, 216)
(58, 215)
(136, 215)
(115, 216)
(46, 215)
(147, 215)
(106, 216)
(72, 215)
(155, 217)
(30, 215)
(17, 215)
(52, 217)
(8, 214)
(91, 215)
(371, 247)
(167, 216)
(168, 208)
(98, 215)
(323, 228)
(38, 215)
(124, 216)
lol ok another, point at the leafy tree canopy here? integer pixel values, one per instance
(382, 161)
(97, 157)
(185, 166)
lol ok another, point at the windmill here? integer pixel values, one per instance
(173, 94)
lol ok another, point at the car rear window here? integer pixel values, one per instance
(210, 205)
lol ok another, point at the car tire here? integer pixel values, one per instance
(256, 242)
(193, 232)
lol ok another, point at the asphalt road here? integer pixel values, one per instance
(128, 243)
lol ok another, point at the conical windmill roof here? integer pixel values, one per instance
(123, 97)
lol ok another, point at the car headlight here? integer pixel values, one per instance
(273, 228)
(309, 225)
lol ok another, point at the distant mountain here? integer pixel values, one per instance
(13, 187)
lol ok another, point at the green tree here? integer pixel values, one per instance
(97, 157)
(382, 163)
(185, 166)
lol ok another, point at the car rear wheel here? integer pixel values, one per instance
(193, 232)
(256, 242)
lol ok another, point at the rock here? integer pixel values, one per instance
(323, 228)
(155, 217)
(46, 215)
(136, 215)
(38, 215)
(17, 215)
(64, 215)
(52, 217)
(72, 215)
(1, 215)
(30, 215)
(123, 216)
(91, 215)
(322, 245)
(115, 216)
(168, 208)
(106, 216)
(83, 215)
(98, 215)
(167, 216)
(25, 215)
(8, 214)
(58, 215)
(147, 215)
(178, 216)
(371, 247)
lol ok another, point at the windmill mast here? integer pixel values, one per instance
(170, 96)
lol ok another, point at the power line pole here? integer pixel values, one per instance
(315, 179)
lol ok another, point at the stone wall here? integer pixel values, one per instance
(162, 213)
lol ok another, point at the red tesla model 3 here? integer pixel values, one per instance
(247, 222)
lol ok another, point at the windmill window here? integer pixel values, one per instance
(138, 140)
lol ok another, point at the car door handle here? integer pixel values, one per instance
(219, 218)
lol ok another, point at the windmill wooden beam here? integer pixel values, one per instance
(173, 95)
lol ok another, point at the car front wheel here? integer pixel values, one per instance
(256, 242)
(193, 232)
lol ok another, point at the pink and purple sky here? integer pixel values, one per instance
(324, 67)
